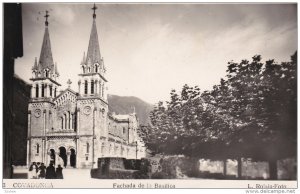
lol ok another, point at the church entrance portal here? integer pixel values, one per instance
(73, 158)
(63, 155)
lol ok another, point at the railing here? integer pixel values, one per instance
(61, 133)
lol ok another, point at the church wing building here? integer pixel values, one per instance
(71, 128)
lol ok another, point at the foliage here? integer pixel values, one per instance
(251, 113)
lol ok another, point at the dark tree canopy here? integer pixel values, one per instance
(251, 113)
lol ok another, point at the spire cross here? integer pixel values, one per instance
(69, 83)
(94, 8)
(46, 16)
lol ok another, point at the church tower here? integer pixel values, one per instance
(92, 106)
(44, 89)
(92, 80)
(44, 72)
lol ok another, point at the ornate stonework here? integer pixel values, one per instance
(72, 128)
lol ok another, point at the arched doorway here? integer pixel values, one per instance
(63, 155)
(73, 158)
(52, 156)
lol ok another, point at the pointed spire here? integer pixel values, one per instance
(83, 59)
(35, 66)
(46, 60)
(93, 53)
(56, 71)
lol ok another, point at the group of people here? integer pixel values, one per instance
(38, 170)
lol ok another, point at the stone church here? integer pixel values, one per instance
(76, 128)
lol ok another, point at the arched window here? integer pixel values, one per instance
(69, 127)
(65, 121)
(55, 92)
(83, 69)
(74, 121)
(50, 91)
(96, 68)
(92, 87)
(85, 87)
(62, 122)
(37, 91)
(87, 148)
(43, 90)
(37, 148)
(47, 73)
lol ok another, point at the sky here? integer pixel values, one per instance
(149, 49)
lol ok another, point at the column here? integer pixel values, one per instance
(77, 152)
(39, 89)
(44, 123)
(67, 120)
(79, 83)
(29, 124)
(47, 162)
(95, 87)
(71, 121)
(45, 151)
(28, 138)
(100, 91)
(89, 87)
(49, 121)
(46, 90)
(28, 153)
(32, 91)
(83, 87)
(93, 151)
(67, 123)
(68, 158)
(78, 121)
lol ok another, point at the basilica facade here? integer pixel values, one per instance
(75, 128)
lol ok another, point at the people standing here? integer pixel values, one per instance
(33, 171)
(38, 164)
(42, 170)
(50, 172)
(59, 174)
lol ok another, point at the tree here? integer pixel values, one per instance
(251, 114)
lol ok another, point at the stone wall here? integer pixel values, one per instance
(287, 169)
(182, 167)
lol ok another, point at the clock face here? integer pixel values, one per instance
(87, 110)
(37, 112)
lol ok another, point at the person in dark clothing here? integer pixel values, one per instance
(42, 169)
(59, 174)
(50, 172)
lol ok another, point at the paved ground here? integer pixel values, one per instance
(68, 173)
(80, 173)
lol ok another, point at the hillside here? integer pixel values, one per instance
(125, 104)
